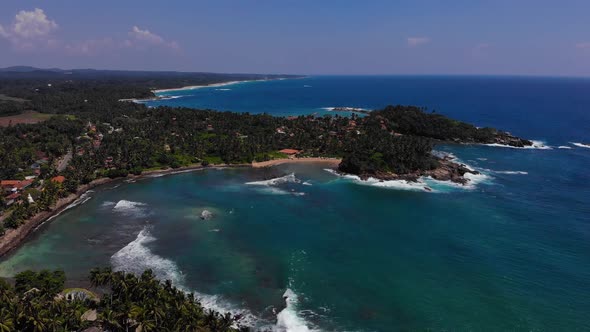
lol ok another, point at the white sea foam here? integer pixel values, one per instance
(539, 145)
(85, 197)
(107, 204)
(290, 178)
(424, 183)
(130, 208)
(419, 185)
(223, 89)
(345, 109)
(172, 97)
(279, 191)
(288, 319)
(512, 172)
(81, 200)
(564, 147)
(137, 257)
(581, 145)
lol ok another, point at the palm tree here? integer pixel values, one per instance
(109, 320)
(6, 321)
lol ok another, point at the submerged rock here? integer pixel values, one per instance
(206, 215)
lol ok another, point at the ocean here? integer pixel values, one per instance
(315, 251)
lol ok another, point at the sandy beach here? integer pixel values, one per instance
(192, 87)
(332, 162)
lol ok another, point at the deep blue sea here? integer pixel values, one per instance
(312, 250)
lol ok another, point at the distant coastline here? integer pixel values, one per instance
(195, 87)
(213, 85)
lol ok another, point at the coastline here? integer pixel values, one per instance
(194, 87)
(14, 238)
(213, 85)
(315, 160)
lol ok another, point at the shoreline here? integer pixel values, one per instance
(193, 87)
(14, 238)
(212, 85)
(313, 160)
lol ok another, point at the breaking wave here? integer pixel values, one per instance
(581, 145)
(129, 208)
(512, 172)
(539, 145)
(85, 197)
(268, 186)
(424, 183)
(288, 320)
(344, 109)
(79, 201)
(290, 178)
(137, 257)
(564, 147)
(172, 97)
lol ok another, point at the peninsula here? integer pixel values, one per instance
(89, 135)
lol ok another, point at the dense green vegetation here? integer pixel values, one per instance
(38, 302)
(106, 137)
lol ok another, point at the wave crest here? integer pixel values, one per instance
(538, 145)
(581, 145)
(130, 208)
(289, 178)
(137, 257)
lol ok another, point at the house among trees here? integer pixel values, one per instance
(59, 179)
(290, 152)
(11, 189)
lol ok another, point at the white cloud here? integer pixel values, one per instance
(145, 35)
(33, 31)
(417, 41)
(33, 24)
(141, 38)
(3, 33)
(29, 30)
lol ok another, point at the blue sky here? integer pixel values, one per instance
(517, 37)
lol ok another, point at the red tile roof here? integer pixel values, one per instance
(289, 151)
(58, 179)
(18, 184)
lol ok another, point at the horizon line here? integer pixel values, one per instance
(310, 75)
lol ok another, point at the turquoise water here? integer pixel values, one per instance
(511, 252)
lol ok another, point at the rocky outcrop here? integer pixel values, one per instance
(447, 170)
(505, 138)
